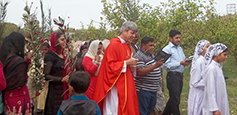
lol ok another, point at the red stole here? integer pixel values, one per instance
(110, 74)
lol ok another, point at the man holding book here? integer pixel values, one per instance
(148, 76)
(174, 67)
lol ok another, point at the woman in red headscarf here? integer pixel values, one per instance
(54, 73)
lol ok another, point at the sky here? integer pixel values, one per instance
(77, 11)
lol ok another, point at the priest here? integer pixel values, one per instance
(115, 90)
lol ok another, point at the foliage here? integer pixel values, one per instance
(36, 68)
(194, 19)
(3, 13)
(119, 11)
(92, 33)
(9, 28)
(69, 62)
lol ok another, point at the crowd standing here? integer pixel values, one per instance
(113, 77)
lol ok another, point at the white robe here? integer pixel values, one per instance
(215, 94)
(196, 90)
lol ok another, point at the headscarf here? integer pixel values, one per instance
(105, 43)
(93, 48)
(198, 51)
(212, 51)
(79, 46)
(12, 45)
(54, 44)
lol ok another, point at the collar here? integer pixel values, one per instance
(145, 52)
(76, 97)
(216, 63)
(201, 57)
(172, 45)
(121, 39)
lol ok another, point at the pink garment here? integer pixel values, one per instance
(14, 101)
(2, 78)
(90, 68)
(79, 46)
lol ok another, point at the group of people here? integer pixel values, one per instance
(114, 77)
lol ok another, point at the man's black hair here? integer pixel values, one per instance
(80, 81)
(174, 33)
(146, 40)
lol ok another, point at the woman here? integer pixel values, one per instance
(215, 100)
(54, 73)
(16, 95)
(196, 87)
(80, 45)
(91, 63)
(80, 56)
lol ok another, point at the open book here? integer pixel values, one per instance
(161, 54)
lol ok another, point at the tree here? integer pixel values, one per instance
(3, 13)
(36, 69)
(43, 18)
(119, 11)
(9, 28)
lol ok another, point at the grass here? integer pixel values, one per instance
(229, 69)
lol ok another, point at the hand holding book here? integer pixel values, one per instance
(161, 54)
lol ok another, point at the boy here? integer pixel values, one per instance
(79, 104)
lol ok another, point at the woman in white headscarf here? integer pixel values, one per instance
(215, 100)
(196, 87)
(91, 63)
(105, 43)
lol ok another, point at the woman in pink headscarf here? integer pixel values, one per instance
(55, 73)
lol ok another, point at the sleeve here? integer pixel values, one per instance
(89, 66)
(196, 79)
(211, 90)
(98, 110)
(140, 63)
(2, 78)
(47, 69)
(168, 64)
(59, 112)
(124, 67)
(115, 64)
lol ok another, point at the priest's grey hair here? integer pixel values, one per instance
(128, 25)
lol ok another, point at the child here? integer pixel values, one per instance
(215, 101)
(79, 104)
(196, 90)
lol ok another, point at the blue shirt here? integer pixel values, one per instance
(80, 97)
(177, 55)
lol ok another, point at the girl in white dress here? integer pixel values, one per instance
(215, 100)
(196, 90)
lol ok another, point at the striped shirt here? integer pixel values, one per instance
(149, 82)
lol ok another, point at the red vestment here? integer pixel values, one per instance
(110, 74)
